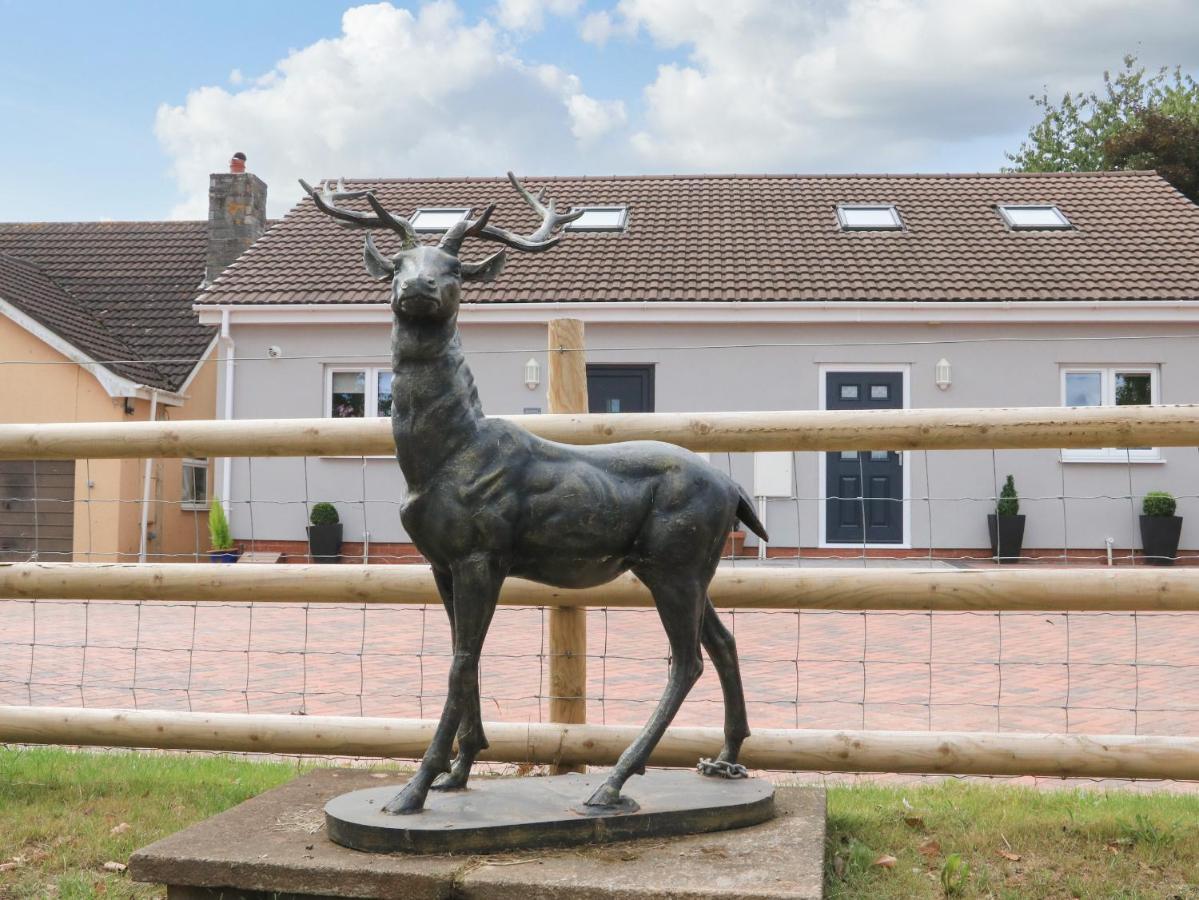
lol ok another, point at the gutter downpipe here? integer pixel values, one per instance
(227, 410)
(146, 479)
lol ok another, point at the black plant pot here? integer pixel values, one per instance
(1007, 537)
(1159, 539)
(324, 543)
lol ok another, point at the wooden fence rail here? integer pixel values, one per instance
(899, 429)
(962, 753)
(991, 589)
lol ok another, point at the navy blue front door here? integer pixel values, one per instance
(864, 489)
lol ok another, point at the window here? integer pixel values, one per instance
(1110, 386)
(356, 393)
(1023, 217)
(868, 217)
(195, 484)
(599, 218)
(438, 219)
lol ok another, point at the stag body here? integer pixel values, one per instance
(487, 499)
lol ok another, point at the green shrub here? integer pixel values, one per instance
(324, 514)
(1009, 503)
(218, 527)
(1159, 503)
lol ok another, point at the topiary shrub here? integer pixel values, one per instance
(323, 514)
(1009, 503)
(1158, 503)
(218, 526)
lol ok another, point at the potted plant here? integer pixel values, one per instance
(1007, 525)
(324, 534)
(1160, 528)
(222, 549)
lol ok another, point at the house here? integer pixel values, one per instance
(762, 293)
(96, 325)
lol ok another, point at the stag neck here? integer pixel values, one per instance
(435, 410)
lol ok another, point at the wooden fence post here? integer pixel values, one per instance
(567, 393)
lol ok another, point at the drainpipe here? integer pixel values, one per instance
(1109, 542)
(227, 411)
(146, 479)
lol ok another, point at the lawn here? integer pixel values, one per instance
(63, 815)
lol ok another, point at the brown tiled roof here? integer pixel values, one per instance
(131, 287)
(743, 237)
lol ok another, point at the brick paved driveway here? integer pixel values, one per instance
(1089, 672)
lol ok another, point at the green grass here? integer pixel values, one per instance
(958, 839)
(59, 809)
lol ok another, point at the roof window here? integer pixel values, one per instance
(438, 218)
(599, 218)
(1020, 217)
(869, 217)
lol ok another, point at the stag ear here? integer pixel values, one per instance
(377, 265)
(487, 270)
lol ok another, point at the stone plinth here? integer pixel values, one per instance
(275, 846)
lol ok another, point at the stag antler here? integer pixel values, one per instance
(543, 238)
(326, 201)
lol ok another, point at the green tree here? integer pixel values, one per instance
(1076, 134)
(1169, 144)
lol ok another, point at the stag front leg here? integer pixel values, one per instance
(476, 587)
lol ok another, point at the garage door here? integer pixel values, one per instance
(36, 511)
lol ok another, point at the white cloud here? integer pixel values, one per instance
(529, 15)
(874, 84)
(395, 94)
(597, 28)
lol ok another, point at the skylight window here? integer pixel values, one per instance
(599, 218)
(438, 219)
(868, 217)
(1027, 216)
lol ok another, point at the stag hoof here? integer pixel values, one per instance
(451, 781)
(607, 796)
(408, 801)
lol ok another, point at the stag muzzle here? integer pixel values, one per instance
(417, 295)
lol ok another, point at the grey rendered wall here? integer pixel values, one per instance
(756, 367)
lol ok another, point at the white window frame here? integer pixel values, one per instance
(192, 505)
(1108, 373)
(462, 212)
(1004, 209)
(896, 219)
(370, 401)
(624, 218)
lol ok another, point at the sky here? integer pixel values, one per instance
(120, 110)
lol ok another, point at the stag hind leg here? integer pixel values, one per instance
(722, 650)
(476, 587)
(680, 603)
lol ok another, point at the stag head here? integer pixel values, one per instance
(426, 280)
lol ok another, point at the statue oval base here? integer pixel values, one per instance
(495, 814)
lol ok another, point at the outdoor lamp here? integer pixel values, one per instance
(943, 374)
(532, 374)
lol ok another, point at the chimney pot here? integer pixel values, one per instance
(237, 165)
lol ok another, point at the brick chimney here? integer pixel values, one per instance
(236, 215)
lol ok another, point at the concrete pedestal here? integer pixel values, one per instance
(275, 846)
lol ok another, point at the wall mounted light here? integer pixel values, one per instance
(532, 374)
(944, 374)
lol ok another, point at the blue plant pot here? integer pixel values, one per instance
(223, 556)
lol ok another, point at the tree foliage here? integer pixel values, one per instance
(1138, 119)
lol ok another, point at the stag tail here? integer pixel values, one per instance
(747, 516)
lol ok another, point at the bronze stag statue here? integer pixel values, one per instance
(487, 499)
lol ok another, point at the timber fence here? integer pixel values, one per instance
(1155, 610)
(936, 665)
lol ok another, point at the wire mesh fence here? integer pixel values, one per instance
(1051, 671)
